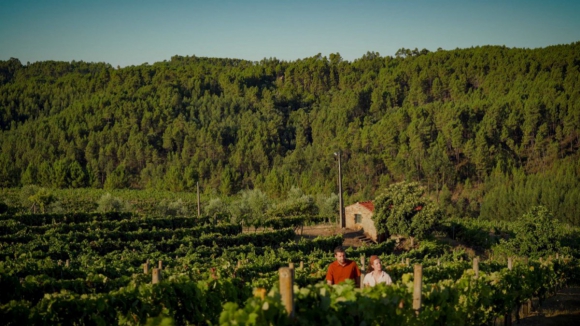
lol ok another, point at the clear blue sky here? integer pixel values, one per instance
(132, 32)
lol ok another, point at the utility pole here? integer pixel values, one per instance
(340, 202)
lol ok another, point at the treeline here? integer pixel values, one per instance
(478, 126)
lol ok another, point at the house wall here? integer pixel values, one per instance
(366, 224)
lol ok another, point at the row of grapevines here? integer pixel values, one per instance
(184, 301)
(468, 300)
(91, 234)
(8, 227)
(61, 249)
(43, 219)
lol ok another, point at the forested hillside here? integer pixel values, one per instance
(491, 131)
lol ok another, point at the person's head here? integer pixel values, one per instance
(375, 263)
(340, 255)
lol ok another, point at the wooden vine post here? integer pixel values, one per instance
(160, 265)
(301, 265)
(362, 274)
(287, 289)
(146, 267)
(476, 266)
(417, 285)
(156, 276)
(510, 263)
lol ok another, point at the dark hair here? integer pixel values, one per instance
(338, 249)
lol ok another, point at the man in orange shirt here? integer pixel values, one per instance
(342, 269)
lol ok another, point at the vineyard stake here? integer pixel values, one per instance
(156, 276)
(67, 263)
(287, 289)
(510, 263)
(407, 261)
(146, 267)
(417, 285)
(362, 275)
(476, 266)
(160, 265)
(301, 265)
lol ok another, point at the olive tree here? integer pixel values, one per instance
(328, 206)
(108, 203)
(251, 207)
(218, 209)
(297, 203)
(173, 208)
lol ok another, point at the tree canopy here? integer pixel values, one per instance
(402, 209)
(537, 234)
(481, 123)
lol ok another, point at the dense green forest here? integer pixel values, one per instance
(490, 131)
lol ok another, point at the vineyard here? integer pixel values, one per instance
(177, 192)
(124, 268)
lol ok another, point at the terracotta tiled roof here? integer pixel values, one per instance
(368, 205)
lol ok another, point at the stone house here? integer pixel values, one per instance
(359, 216)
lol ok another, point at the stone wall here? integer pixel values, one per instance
(366, 224)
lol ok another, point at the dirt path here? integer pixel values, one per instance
(561, 309)
(312, 231)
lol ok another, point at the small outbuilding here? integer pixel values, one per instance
(359, 216)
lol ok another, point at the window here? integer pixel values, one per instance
(357, 218)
